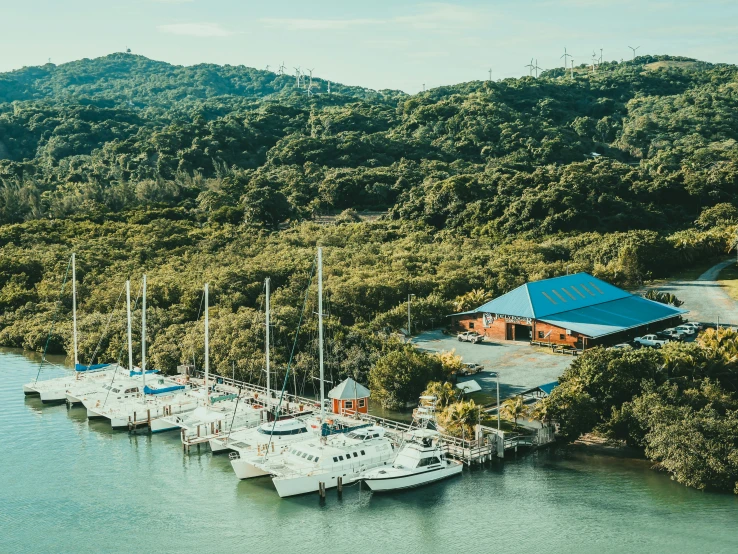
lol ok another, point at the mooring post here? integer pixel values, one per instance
(340, 486)
(321, 489)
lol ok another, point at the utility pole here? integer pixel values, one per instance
(409, 332)
(497, 375)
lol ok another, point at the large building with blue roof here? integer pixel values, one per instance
(576, 310)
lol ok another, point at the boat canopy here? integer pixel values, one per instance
(94, 367)
(149, 390)
(148, 372)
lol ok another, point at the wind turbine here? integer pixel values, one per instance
(634, 51)
(594, 62)
(490, 73)
(537, 68)
(600, 56)
(565, 56)
(311, 76)
(329, 87)
(297, 76)
(530, 67)
(267, 67)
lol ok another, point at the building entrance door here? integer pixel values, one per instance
(509, 331)
(522, 332)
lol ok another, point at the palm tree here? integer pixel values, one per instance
(461, 417)
(540, 413)
(445, 393)
(514, 408)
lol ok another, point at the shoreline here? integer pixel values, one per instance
(593, 444)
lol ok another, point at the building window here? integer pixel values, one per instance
(471, 325)
(540, 334)
(562, 336)
(349, 404)
(362, 402)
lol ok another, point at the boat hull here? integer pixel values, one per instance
(218, 446)
(29, 391)
(245, 470)
(162, 424)
(54, 396)
(411, 481)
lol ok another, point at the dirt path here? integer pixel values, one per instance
(705, 298)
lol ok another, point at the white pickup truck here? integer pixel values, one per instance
(470, 336)
(651, 340)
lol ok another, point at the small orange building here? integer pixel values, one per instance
(350, 396)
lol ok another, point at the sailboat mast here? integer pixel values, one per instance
(74, 308)
(143, 335)
(320, 333)
(207, 343)
(266, 344)
(130, 339)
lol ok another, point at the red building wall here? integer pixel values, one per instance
(340, 406)
(501, 329)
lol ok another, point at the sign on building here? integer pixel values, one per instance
(489, 319)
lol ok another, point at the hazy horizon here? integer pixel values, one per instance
(387, 45)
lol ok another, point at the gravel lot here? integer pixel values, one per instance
(521, 366)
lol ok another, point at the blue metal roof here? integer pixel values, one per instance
(614, 316)
(580, 303)
(548, 387)
(552, 296)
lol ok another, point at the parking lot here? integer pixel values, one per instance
(521, 365)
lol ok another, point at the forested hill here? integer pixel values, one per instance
(128, 80)
(642, 144)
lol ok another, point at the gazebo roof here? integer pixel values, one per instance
(348, 390)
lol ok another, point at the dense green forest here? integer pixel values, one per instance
(231, 175)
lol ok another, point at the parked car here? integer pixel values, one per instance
(470, 336)
(621, 346)
(694, 325)
(672, 334)
(650, 340)
(686, 329)
(470, 369)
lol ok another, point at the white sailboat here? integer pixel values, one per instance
(54, 390)
(214, 415)
(162, 397)
(331, 455)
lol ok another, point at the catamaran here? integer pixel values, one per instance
(54, 390)
(250, 446)
(162, 397)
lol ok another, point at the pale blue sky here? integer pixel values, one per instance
(376, 43)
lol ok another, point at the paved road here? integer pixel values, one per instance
(705, 298)
(521, 366)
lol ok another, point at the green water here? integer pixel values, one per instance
(69, 485)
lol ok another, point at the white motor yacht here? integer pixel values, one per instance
(307, 464)
(419, 462)
(251, 445)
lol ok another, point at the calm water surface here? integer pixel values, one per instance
(69, 485)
